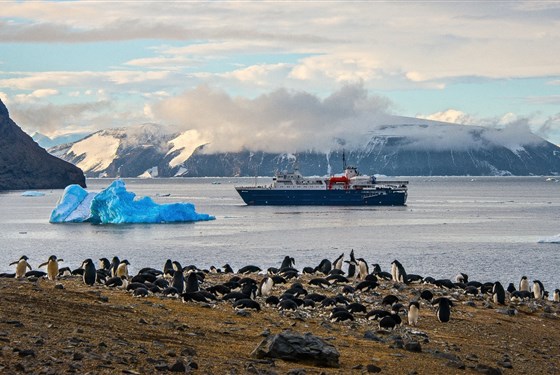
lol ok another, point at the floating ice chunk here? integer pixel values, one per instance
(32, 194)
(115, 205)
(553, 239)
(73, 206)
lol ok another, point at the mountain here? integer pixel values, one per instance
(24, 165)
(411, 148)
(47, 142)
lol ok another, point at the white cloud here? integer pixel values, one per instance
(452, 116)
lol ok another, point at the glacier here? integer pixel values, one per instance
(116, 205)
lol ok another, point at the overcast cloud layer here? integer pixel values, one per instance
(243, 72)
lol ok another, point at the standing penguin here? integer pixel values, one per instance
(21, 267)
(413, 310)
(288, 262)
(524, 284)
(90, 274)
(178, 281)
(556, 295)
(192, 283)
(337, 263)
(443, 310)
(52, 267)
(265, 286)
(398, 272)
(498, 293)
(538, 289)
(114, 265)
(168, 268)
(363, 269)
(122, 269)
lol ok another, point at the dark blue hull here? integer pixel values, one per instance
(338, 197)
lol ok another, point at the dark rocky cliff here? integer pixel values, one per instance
(24, 165)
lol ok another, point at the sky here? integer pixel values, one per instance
(256, 71)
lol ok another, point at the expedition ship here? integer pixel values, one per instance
(350, 189)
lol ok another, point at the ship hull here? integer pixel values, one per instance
(278, 197)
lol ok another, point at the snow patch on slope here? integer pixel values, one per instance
(186, 143)
(99, 149)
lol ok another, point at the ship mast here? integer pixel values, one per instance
(343, 160)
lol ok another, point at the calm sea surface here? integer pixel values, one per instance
(486, 227)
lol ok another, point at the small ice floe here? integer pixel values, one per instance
(551, 179)
(553, 239)
(32, 194)
(163, 194)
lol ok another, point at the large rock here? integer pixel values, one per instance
(24, 165)
(295, 347)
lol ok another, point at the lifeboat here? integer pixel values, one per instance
(342, 179)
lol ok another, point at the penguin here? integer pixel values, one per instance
(387, 322)
(498, 293)
(413, 312)
(366, 286)
(114, 265)
(178, 282)
(122, 269)
(287, 304)
(363, 269)
(265, 287)
(192, 283)
(379, 273)
(117, 282)
(338, 262)
(104, 264)
(52, 267)
(462, 278)
(341, 316)
(443, 311)
(167, 267)
(246, 303)
(524, 284)
(21, 266)
(90, 274)
(427, 295)
(389, 300)
(272, 301)
(356, 307)
(227, 268)
(288, 262)
(398, 272)
(511, 288)
(334, 278)
(538, 289)
(249, 269)
(377, 314)
(351, 272)
(324, 267)
(556, 295)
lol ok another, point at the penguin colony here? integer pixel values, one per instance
(354, 294)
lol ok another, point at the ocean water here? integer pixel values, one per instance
(487, 227)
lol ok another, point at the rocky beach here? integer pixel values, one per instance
(65, 326)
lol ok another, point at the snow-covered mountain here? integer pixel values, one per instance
(409, 148)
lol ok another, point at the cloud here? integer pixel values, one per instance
(451, 115)
(279, 121)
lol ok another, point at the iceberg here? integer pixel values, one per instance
(116, 205)
(553, 239)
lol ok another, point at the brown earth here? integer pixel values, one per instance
(95, 330)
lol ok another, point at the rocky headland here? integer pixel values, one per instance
(25, 165)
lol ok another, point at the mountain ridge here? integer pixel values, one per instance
(396, 149)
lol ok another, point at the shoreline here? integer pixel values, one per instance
(81, 329)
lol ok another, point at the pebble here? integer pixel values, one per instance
(178, 366)
(456, 364)
(370, 335)
(59, 286)
(297, 371)
(413, 346)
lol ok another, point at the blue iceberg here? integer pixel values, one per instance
(115, 205)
